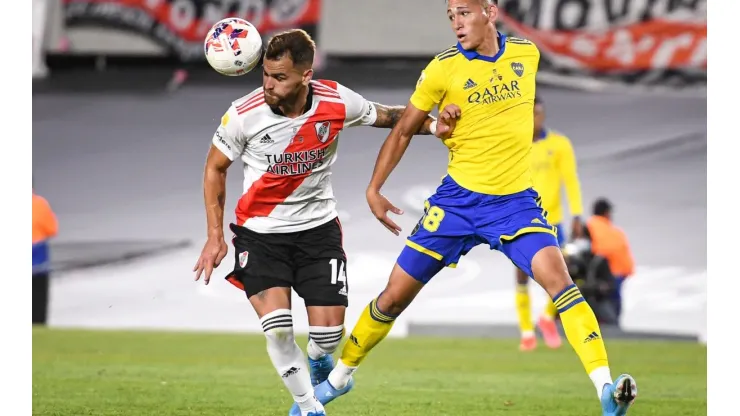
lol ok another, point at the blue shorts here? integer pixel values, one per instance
(456, 219)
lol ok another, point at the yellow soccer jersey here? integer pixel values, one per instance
(554, 166)
(490, 147)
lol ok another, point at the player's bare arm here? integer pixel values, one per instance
(388, 117)
(214, 194)
(411, 121)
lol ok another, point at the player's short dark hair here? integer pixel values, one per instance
(602, 207)
(483, 2)
(296, 43)
(537, 100)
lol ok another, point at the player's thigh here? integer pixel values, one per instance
(442, 236)
(321, 267)
(516, 225)
(261, 263)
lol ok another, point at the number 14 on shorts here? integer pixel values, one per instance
(338, 273)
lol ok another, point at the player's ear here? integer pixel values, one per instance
(492, 13)
(307, 76)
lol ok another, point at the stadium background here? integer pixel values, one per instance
(123, 119)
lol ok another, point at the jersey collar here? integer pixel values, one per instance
(542, 134)
(306, 109)
(475, 55)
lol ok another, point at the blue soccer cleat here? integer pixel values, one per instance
(325, 393)
(320, 413)
(617, 398)
(320, 369)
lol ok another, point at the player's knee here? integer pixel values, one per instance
(398, 294)
(278, 329)
(550, 270)
(326, 339)
(392, 303)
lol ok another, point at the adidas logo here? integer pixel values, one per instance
(591, 337)
(343, 291)
(290, 372)
(353, 340)
(267, 139)
(536, 221)
(470, 84)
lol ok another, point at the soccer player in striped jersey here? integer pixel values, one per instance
(486, 198)
(287, 234)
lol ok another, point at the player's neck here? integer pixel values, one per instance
(490, 46)
(298, 107)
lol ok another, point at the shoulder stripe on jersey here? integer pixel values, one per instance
(255, 104)
(328, 83)
(446, 51)
(518, 41)
(251, 96)
(325, 92)
(250, 101)
(446, 55)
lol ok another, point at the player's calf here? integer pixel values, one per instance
(323, 341)
(578, 319)
(288, 360)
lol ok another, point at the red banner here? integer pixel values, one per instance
(183, 24)
(623, 41)
(656, 44)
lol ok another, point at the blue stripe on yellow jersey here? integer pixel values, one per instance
(554, 167)
(489, 151)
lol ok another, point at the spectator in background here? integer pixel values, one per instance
(610, 242)
(44, 227)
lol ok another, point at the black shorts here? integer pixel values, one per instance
(312, 262)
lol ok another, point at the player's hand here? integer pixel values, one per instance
(447, 121)
(380, 205)
(213, 252)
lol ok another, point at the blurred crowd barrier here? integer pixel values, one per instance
(584, 43)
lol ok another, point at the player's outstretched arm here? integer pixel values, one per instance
(412, 119)
(388, 116)
(214, 194)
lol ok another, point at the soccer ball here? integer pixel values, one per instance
(233, 47)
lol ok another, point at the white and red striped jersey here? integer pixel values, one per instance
(287, 161)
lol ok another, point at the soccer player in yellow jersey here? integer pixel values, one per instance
(553, 167)
(486, 197)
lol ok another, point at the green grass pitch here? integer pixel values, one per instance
(153, 373)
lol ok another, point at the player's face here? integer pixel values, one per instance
(469, 20)
(539, 118)
(282, 80)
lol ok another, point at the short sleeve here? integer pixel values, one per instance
(229, 138)
(360, 112)
(430, 88)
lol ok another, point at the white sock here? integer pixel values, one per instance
(601, 377)
(323, 340)
(340, 375)
(288, 359)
